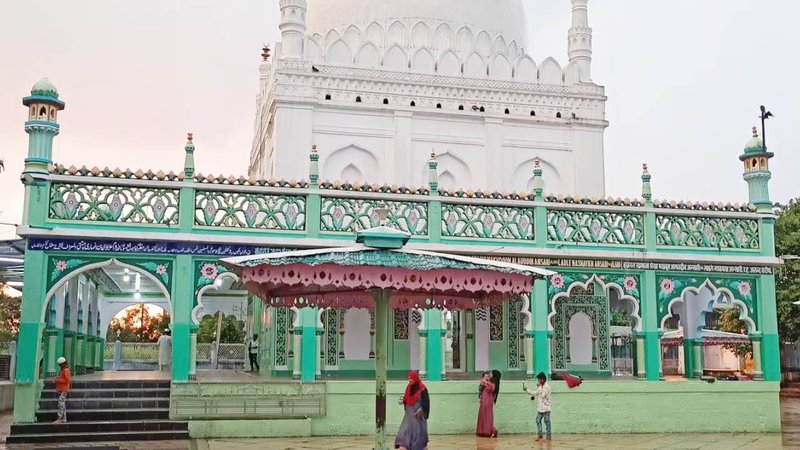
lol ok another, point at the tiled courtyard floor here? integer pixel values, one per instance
(790, 439)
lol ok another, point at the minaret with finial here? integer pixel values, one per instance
(433, 175)
(538, 181)
(293, 28)
(188, 161)
(647, 194)
(579, 41)
(756, 172)
(42, 125)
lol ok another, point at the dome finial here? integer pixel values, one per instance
(189, 137)
(265, 52)
(755, 131)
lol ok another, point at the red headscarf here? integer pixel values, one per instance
(409, 398)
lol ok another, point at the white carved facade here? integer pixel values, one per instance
(379, 86)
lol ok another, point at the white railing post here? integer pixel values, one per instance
(214, 355)
(117, 355)
(12, 353)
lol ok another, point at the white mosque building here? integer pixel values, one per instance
(379, 86)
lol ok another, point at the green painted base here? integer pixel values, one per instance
(619, 406)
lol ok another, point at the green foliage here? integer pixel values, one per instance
(620, 318)
(787, 277)
(729, 322)
(9, 316)
(231, 332)
(138, 325)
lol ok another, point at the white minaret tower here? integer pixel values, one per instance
(293, 28)
(580, 40)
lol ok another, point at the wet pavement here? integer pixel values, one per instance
(789, 439)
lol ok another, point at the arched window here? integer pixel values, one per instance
(533, 113)
(438, 106)
(558, 115)
(413, 103)
(386, 101)
(460, 107)
(358, 99)
(507, 111)
(327, 96)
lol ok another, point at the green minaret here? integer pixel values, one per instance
(756, 172)
(42, 125)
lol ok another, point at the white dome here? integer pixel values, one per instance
(505, 17)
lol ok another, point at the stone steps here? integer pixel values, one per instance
(104, 411)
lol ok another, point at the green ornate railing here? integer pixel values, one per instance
(330, 212)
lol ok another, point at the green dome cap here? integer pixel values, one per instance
(44, 87)
(755, 144)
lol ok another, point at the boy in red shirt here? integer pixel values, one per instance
(62, 388)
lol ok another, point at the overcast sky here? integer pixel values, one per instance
(684, 80)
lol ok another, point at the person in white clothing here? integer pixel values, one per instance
(252, 351)
(165, 351)
(542, 397)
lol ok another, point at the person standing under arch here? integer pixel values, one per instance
(165, 351)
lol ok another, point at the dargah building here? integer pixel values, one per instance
(422, 195)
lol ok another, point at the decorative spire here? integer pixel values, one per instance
(313, 171)
(579, 41)
(188, 162)
(265, 52)
(755, 131)
(647, 194)
(433, 175)
(538, 181)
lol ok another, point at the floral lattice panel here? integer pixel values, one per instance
(205, 272)
(673, 287)
(250, 211)
(562, 281)
(353, 214)
(595, 227)
(282, 318)
(596, 308)
(487, 222)
(707, 232)
(121, 204)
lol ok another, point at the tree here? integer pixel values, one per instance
(9, 316)
(138, 325)
(787, 276)
(730, 322)
(231, 332)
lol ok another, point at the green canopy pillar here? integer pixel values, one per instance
(541, 333)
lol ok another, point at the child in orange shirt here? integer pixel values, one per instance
(62, 388)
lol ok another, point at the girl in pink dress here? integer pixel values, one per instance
(487, 393)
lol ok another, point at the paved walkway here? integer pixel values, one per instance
(790, 439)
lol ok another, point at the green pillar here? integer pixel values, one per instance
(541, 329)
(192, 351)
(434, 349)
(30, 331)
(768, 318)
(698, 357)
(434, 204)
(688, 358)
(381, 319)
(650, 326)
(641, 369)
(100, 354)
(182, 304)
(309, 352)
(469, 353)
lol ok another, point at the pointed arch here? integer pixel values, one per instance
(199, 310)
(331, 37)
(375, 34)
(443, 37)
(572, 74)
(449, 64)
(500, 45)
(368, 56)
(513, 50)
(339, 53)
(635, 314)
(423, 61)
(352, 36)
(313, 49)
(719, 297)
(395, 58)
(396, 34)
(523, 176)
(351, 174)
(465, 40)
(500, 68)
(526, 69)
(453, 170)
(550, 72)
(354, 155)
(483, 43)
(474, 66)
(421, 35)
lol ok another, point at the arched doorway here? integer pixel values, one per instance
(82, 301)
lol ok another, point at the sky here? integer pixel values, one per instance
(684, 81)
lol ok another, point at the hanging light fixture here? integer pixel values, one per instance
(137, 295)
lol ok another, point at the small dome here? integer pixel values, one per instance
(755, 144)
(44, 87)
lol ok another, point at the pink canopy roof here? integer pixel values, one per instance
(348, 277)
